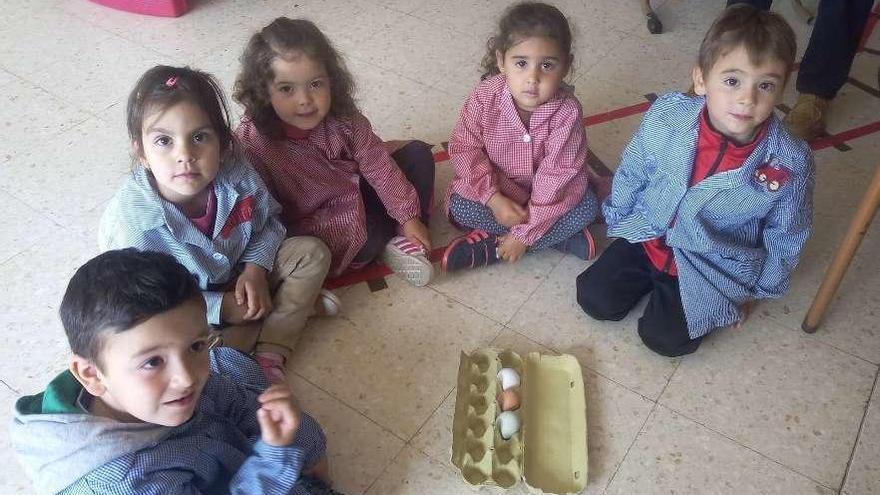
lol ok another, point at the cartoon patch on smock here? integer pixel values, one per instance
(772, 175)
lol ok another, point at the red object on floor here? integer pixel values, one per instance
(161, 8)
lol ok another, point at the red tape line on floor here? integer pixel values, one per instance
(834, 139)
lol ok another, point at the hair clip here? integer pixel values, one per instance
(171, 83)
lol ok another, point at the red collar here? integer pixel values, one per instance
(294, 132)
(711, 138)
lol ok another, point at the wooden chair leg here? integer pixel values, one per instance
(854, 235)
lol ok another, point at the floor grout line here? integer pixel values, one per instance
(10, 387)
(385, 469)
(859, 434)
(346, 404)
(752, 449)
(811, 337)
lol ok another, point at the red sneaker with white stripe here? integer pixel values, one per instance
(409, 260)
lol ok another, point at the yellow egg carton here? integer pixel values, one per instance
(549, 452)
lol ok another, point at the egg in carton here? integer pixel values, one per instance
(545, 441)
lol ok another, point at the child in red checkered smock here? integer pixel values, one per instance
(519, 149)
(335, 179)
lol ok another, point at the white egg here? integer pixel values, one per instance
(508, 424)
(509, 378)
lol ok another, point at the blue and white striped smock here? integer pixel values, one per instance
(734, 238)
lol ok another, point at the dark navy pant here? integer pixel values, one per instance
(417, 163)
(618, 280)
(475, 215)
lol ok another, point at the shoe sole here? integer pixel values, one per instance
(591, 245)
(331, 303)
(444, 262)
(410, 268)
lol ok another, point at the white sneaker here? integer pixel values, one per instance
(328, 304)
(408, 260)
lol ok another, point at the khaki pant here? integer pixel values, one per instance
(295, 282)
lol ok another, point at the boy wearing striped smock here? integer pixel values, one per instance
(712, 201)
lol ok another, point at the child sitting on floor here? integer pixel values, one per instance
(334, 178)
(147, 406)
(519, 149)
(712, 201)
(192, 196)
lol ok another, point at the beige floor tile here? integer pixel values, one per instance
(675, 455)
(863, 477)
(26, 39)
(29, 228)
(788, 397)
(98, 68)
(194, 34)
(34, 116)
(498, 291)
(670, 66)
(614, 418)
(853, 107)
(395, 364)
(12, 477)
(865, 65)
(34, 281)
(598, 95)
(401, 108)
(413, 473)
(446, 60)
(349, 24)
(357, 448)
(612, 349)
(6, 77)
(72, 173)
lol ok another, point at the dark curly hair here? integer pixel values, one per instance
(162, 87)
(526, 20)
(280, 38)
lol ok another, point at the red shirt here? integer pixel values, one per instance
(205, 223)
(715, 153)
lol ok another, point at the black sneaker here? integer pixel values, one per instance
(476, 249)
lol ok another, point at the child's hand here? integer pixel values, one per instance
(511, 249)
(745, 309)
(252, 289)
(417, 232)
(507, 212)
(278, 416)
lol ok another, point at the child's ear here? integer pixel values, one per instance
(86, 372)
(499, 61)
(138, 153)
(699, 82)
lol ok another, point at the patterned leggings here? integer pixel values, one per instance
(475, 215)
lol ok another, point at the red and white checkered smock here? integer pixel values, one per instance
(542, 167)
(316, 180)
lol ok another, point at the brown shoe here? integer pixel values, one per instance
(807, 119)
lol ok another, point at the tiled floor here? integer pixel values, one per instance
(762, 409)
